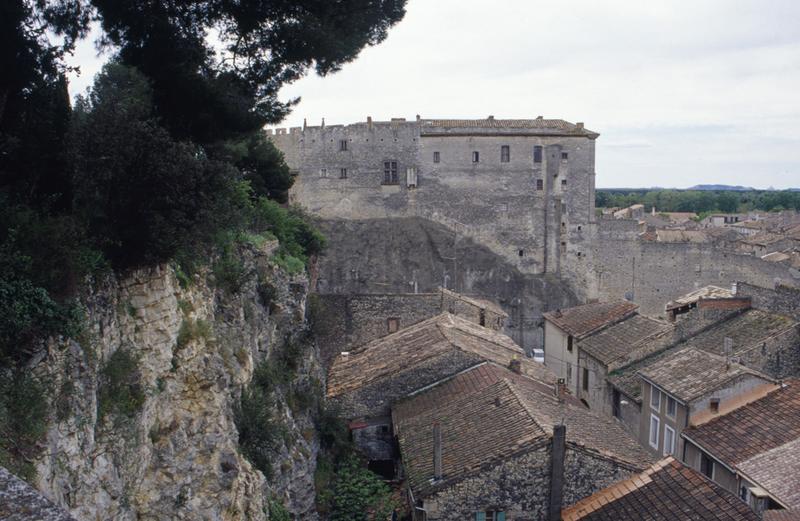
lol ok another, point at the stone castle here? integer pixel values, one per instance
(499, 208)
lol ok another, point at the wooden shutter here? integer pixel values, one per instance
(501, 516)
(480, 516)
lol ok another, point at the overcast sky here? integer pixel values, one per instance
(682, 92)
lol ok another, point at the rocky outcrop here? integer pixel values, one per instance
(195, 345)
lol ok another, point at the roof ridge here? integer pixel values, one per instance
(526, 406)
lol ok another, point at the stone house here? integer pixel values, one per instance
(689, 386)
(667, 491)
(616, 346)
(363, 384)
(689, 301)
(753, 451)
(565, 328)
(490, 443)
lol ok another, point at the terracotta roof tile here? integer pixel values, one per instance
(667, 491)
(777, 471)
(488, 413)
(781, 515)
(580, 321)
(420, 342)
(620, 339)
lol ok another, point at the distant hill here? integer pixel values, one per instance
(722, 187)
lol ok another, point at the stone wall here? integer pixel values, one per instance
(400, 255)
(520, 486)
(179, 457)
(495, 203)
(782, 299)
(653, 273)
(374, 400)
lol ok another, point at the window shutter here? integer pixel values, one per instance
(501, 516)
(480, 516)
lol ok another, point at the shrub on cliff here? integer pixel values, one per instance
(23, 421)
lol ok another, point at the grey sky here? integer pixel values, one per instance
(682, 92)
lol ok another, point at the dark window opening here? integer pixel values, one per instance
(393, 324)
(390, 173)
(564, 156)
(482, 317)
(616, 400)
(714, 405)
(343, 145)
(436, 157)
(585, 382)
(706, 465)
(563, 247)
(537, 154)
(382, 467)
(505, 154)
(539, 184)
(343, 173)
(521, 253)
(563, 182)
(579, 227)
(476, 157)
(569, 343)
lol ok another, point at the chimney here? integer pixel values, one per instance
(539, 117)
(437, 452)
(369, 122)
(579, 124)
(418, 118)
(490, 118)
(323, 122)
(515, 365)
(559, 388)
(557, 471)
(305, 124)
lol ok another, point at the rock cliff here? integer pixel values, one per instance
(167, 448)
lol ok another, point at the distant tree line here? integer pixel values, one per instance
(700, 201)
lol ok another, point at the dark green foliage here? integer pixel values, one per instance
(700, 201)
(277, 512)
(23, 421)
(298, 238)
(146, 196)
(358, 494)
(120, 391)
(192, 330)
(262, 165)
(229, 272)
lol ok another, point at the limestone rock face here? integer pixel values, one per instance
(197, 346)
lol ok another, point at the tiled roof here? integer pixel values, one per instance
(704, 292)
(554, 126)
(580, 321)
(667, 491)
(781, 515)
(747, 329)
(475, 301)
(690, 373)
(778, 472)
(490, 413)
(21, 502)
(681, 236)
(752, 429)
(621, 339)
(421, 342)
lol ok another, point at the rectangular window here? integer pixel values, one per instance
(655, 398)
(569, 372)
(505, 154)
(564, 156)
(393, 324)
(323, 172)
(490, 515)
(569, 343)
(672, 407)
(617, 399)
(539, 184)
(342, 173)
(585, 379)
(655, 425)
(342, 145)
(669, 440)
(390, 172)
(714, 405)
(563, 183)
(537, 154)
(706, 465)
(436, 157)
(476, 157)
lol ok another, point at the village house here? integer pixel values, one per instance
(563, 329)
(667, 491)
(493, 444)
(722, 219)
(753, 451)
(688, 302)
(690, 386)
(363, 384)
(616, 346)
